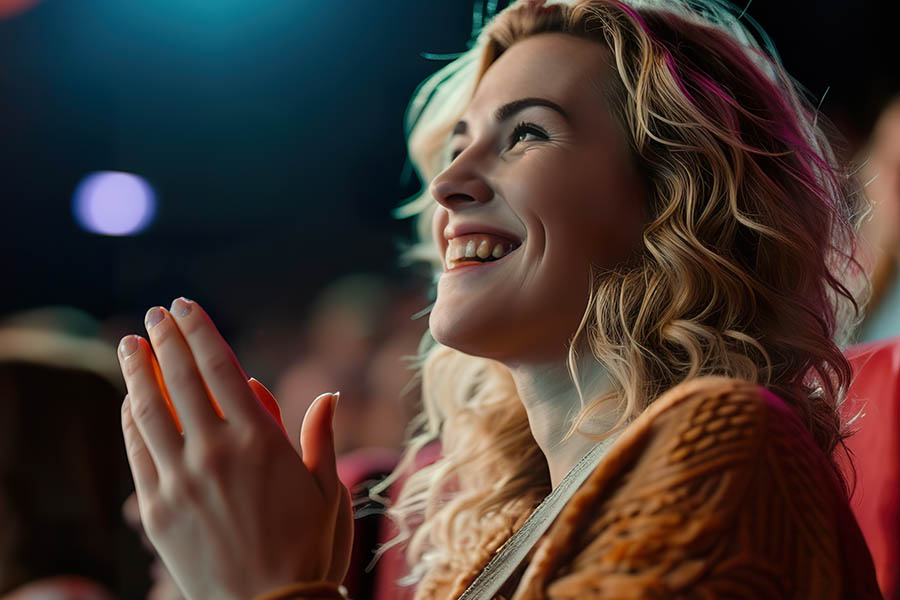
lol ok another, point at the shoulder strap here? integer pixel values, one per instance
(514, 551)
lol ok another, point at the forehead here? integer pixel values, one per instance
(556, 66)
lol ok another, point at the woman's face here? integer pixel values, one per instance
(552, 180)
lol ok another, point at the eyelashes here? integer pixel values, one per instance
(525, 128)
(521, 129)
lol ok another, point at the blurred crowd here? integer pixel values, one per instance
(880, 160)
(69, 523)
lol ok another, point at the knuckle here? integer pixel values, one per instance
(218, 363)
(156, 517)
(134, 445)
(180, 378)
(142, 410)
(252, 445)
(181, 490)
(212, 458)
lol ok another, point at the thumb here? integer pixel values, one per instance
(317, 442)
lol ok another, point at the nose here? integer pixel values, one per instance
(459, 184)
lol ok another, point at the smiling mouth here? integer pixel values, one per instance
(477, 249)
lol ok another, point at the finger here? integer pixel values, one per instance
(182, 378)
(343, 539)
(268, 401)
(148, 407)
(160, 382)
(217, 364)
(317, 443)
(143, 471)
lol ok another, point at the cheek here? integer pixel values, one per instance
(606, 207)
(567, 198)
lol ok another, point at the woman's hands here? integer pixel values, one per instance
(231, 509)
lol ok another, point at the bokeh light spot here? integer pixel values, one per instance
(114, 203)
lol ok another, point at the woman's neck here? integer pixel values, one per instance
(552, 403)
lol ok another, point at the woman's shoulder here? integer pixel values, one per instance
(717, 489)
(709, 426)
(718, 421)
(713, 403)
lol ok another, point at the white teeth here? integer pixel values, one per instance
(483, 247)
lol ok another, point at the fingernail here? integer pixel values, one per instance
(128, 346)
(319, 398)
(154, 316)
(181, 307)
(334, 403)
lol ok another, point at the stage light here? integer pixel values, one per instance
(10, 8)
(114, 203)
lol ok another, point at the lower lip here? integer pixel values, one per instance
(479, 266)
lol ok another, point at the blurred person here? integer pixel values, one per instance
(390, 383)
(346, 318)
(333, 350)
(643, 250)
(882, 231)
(62, 475)
(302, 381)
(372, 318)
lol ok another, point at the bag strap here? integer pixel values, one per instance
(517, 547)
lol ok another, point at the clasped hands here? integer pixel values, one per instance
(230, 507)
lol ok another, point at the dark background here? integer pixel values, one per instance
(272, 133)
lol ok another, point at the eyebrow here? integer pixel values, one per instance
(508, 110)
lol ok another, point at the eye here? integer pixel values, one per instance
(518, 134)
(522, 130)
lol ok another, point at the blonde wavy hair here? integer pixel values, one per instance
(747, 267)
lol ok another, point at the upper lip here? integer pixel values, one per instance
(457, 229)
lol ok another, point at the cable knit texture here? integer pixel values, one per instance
(716, 490)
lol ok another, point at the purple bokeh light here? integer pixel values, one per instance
(114, 203)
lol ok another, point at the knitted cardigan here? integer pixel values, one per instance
(717, 490)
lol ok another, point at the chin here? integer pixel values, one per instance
(501, 335)
(485, 335)
(466, 336)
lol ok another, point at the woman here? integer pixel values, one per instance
(657, 204)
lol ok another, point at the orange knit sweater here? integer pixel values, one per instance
(716, 491)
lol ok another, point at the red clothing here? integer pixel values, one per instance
(874, 405)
